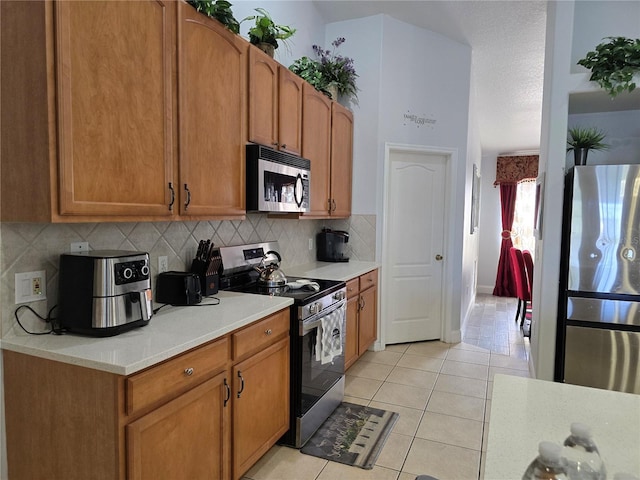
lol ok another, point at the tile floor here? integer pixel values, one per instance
(442, 393)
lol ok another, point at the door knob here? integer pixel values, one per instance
(439, 257)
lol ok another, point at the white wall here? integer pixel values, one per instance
(490, 225)
(407, 74)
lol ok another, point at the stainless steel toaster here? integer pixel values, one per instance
(104, 292)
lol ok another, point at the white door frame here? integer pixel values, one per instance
(451, 158)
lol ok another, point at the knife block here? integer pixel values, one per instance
(209, 279)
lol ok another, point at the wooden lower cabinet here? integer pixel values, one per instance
(260, 404)
(362, 315)
(186, 438)
(209, 413)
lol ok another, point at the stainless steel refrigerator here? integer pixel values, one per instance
(598, 341)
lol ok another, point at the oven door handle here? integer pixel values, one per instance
(315, 321)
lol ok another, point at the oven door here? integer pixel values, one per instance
(322, 348)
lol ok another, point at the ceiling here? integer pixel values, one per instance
(507, 38)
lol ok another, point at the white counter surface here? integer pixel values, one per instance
(171, 331)
(525, 411)
(332, 271)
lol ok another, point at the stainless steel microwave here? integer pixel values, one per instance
(277, 181)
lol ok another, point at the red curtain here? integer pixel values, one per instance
(505, 284)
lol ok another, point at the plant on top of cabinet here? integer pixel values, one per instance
(309, 70)
(338, 71)
(584, 139)
(614, 63)
(266, 33)
(218, 9)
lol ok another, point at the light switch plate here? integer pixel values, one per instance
(31, 286)
(79, 247)
(163, 264)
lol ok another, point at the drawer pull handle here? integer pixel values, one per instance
(370, 280)
(268, 331)
(241, 383)
(228, 397)
(188, 371)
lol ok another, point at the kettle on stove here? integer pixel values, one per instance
(271, 275)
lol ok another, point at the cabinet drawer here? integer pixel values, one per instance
(260, 334)
(368, 280)
(353, 287)
(175, 376)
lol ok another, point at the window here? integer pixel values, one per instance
(524, 219)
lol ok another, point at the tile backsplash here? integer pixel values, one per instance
(29, 247)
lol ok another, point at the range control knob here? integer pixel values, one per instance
(315, 308)
(127, 273)
(339, 295)
(144, 270)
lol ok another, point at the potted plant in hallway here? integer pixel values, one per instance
(614, 64)
(265, 34)
(581, 140)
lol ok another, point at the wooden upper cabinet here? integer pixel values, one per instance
(275, 104)
(290, 111)
(212, 80)
(263, 98)
(341, 160)
(316, 147)
(89, 116)
(115, 117)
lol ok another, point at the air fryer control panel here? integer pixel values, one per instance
(130, 272)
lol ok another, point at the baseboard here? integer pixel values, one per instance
(485, 289)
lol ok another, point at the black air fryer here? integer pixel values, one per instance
(332, 246)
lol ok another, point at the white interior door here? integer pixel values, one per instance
(415, 246)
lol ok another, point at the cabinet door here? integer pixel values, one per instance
(351, 340)
(367, 319)
(289, 111)
(212, 80)
(263, 98)
(115, 106)
(260, 404)
(185, 438)
(316, 147)
(341, 160)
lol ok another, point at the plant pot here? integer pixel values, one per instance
(580, 156)
(267, 48)
(333, 91)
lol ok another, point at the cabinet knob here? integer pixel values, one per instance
(284, 145)
(188, 371)
(268, 331)
(439, 257)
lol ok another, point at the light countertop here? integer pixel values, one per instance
(526, 411)
(332, 271)
(171, 331)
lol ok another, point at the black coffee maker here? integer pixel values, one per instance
(332, 246)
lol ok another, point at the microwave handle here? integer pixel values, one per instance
(295, 191)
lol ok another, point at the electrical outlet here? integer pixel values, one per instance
(30, 286)
(163, 264)
(79, 247)
(311, 244)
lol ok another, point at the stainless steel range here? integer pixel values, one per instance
(317, 331)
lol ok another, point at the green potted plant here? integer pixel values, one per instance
(614, 63)
(581, 140)
(266, 33)
(218, 9)
(332, 74)
(309, 70)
